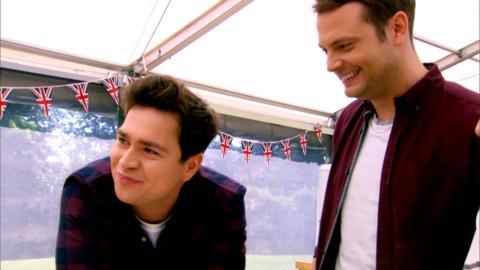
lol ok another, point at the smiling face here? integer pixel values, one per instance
(355, 53)
(146, 162)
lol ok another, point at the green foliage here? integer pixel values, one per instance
(78, 123)
(11, 124)
(24, 123)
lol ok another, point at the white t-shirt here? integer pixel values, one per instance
(359, 216)
(153, 230)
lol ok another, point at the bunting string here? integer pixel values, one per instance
(43, 98)
(303, 141)
(225, 142)
(318, 130)
(247, 150)
(286, 148)
(4, 92)
(247, 145)
(81, 94)
(267, 151)
(112, 85)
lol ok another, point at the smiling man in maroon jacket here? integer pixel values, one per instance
(404, 185)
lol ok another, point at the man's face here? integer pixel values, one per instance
(354, 51)
(145, 159)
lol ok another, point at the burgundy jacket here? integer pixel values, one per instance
(430, 183)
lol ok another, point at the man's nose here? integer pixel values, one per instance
(129, 159)
(333, 63)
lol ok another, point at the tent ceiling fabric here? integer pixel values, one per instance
(265, 49)
(188, 34)
(112, 31)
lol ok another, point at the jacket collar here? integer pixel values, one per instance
(417, 97)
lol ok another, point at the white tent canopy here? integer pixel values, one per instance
(255, 59)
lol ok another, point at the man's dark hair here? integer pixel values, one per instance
(198, 123)
(378, 11)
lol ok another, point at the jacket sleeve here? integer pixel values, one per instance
(76, 246)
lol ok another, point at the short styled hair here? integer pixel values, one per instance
(198, 123)
(378, 11)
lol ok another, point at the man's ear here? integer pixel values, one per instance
(191, 166)
(399, 27)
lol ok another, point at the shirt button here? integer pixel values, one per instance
(144, 239)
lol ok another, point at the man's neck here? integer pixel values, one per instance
(384, 108)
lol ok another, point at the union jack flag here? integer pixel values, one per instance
(80, 90)
(247, 149)
(226, 140)
(267, 151)
(303, 141)
(43, 98)
(4, 92)
(286, 148)
(111, 84)
(127, 80)
(318, 130)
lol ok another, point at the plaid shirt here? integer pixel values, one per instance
(97, 231)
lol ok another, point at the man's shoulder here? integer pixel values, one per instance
(95, 176)
(460, 93)
(446, 92)
(94, 170)
(221, 182)
(93, 182)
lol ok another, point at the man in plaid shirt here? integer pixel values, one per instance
(151, 204)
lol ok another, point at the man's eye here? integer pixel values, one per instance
(344, 46)
(151, 151)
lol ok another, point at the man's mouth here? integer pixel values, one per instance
(347, 76)
(124, 179)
